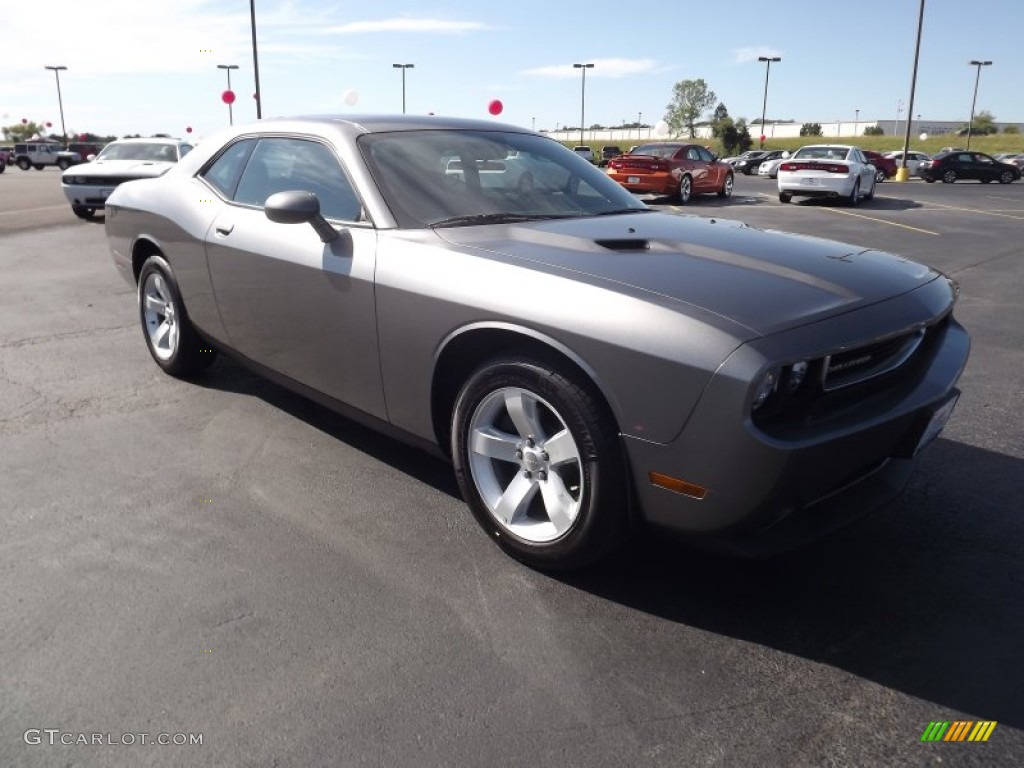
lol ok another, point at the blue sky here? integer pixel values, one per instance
(150, 65)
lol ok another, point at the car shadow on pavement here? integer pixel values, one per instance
(881, 202)
(227, 375)
(923, 597)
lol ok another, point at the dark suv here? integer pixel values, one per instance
(607, 153)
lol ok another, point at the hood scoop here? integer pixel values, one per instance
(626, 244)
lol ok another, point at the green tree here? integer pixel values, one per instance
(690, 100)
(874, 130)
(719, 120)
(810, 129)
(728, 135)
(744, 140)
(22, 131)
(1011, 129)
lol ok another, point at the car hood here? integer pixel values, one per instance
(141, 169)
(765, 280)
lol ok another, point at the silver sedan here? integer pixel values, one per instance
(584, 362)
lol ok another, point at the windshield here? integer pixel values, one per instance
(139, 151)
(463, 177)
(820, 153)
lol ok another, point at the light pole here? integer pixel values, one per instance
(899, 110)
(583, 95)
(60, 102)
(403, 67)
(903, 173)
(639, 122)
(764, 104)
(255, 60)
(533, 123)
(228, 68)
(977, 77)
(856, 120)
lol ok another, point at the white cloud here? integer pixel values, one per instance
(428, 26)
(744, 55)
(602, 68)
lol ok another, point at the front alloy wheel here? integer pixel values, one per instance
(727, 186)
(949, 177)
(1005, 177)
(538, 462)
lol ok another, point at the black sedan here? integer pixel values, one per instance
(949, 167)
(749, 165)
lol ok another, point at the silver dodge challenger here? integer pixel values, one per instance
(587, 364)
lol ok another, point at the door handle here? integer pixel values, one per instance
(225, 230)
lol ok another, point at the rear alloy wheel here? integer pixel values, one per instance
(854, 198)
(727, 185)
(83, 211)
(1006, 177)
(880, 176)
(170, 337)
(685, 189)
(949, 177)
(537, 458)
(785, 197)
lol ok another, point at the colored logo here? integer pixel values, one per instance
(958, 730)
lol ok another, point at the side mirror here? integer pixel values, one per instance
(299, 207)
(785, 155)
(90, 158)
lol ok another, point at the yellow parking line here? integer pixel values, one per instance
(882, 221)
(974, 210)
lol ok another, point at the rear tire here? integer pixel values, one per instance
(880, 176)
(172, 341)
(539, 463)
(685, 189)
(785, 197)
(63, 164)
(39, 166)
(949, 177)
(23, 163)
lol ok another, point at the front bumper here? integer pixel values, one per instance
(88, 195)
(770, 490)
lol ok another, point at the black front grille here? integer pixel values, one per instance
(106, 181)
(856, 365)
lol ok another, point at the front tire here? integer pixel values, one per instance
(63, 164)
(1006, 177)
(24, 164)
(83, 211)
(727, 186)
(880, 176)
(949, 177)
(170, 337)
(537, 458)
(39, 166)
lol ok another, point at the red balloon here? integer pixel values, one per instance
(495, 107)
(82, 137)
(49, 125)
(189, 129)
(256, 96)
(228, 97)
(762, 138)
(24, 121)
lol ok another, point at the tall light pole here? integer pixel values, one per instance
(60, 102)
(228, 68)
(977, 77)
(903, 173)
(856, 120)
(899, 110)
(639, 122)
(255, 60)
(583, 95)
(764, 104)
(403, 67)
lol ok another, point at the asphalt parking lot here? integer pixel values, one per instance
(227, 559)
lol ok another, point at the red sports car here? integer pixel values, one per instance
(672, 168)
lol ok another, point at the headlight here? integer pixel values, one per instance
(75, 180)
(797, 374)
(765, 387)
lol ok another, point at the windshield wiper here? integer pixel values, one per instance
(624, 210)
(498, 218)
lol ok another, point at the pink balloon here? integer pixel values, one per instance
(189, 129)
(495, 107)
(228, 97)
